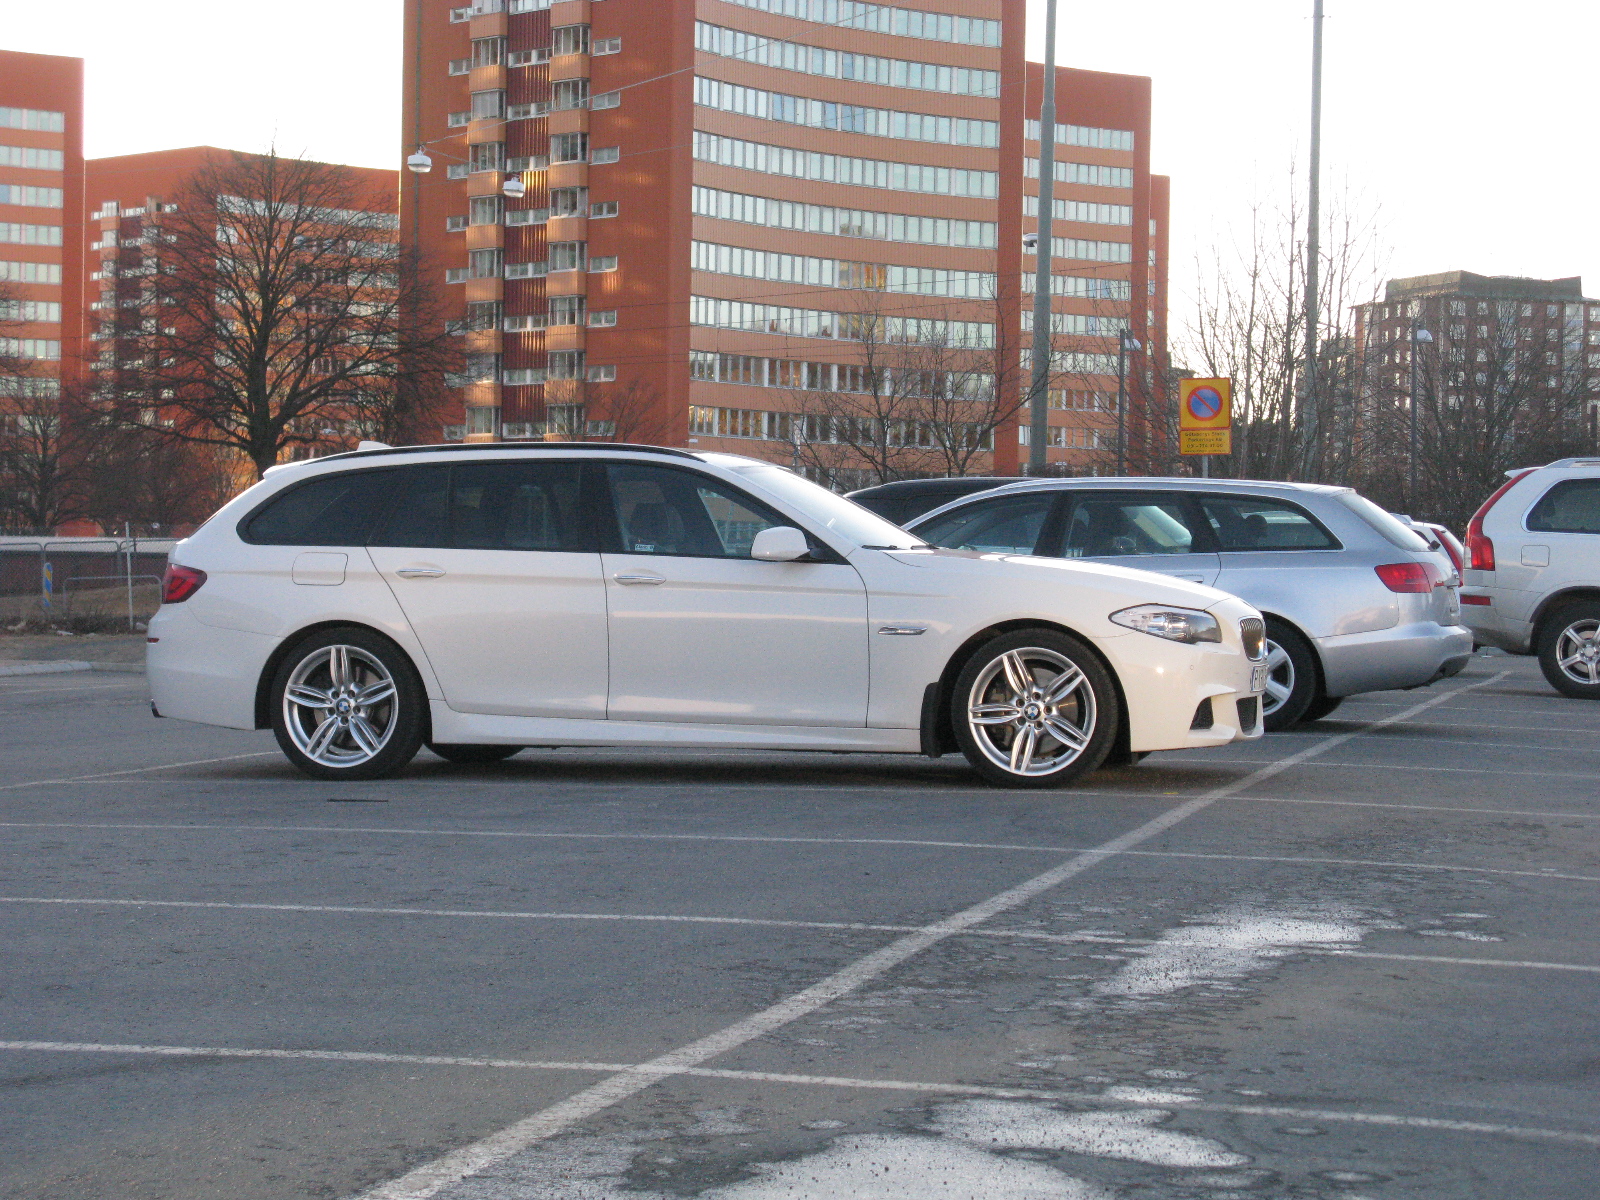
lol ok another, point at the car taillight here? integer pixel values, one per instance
(179, 583)
(1480, 550)
(1407, 576)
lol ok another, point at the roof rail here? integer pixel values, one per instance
(555, 446)
(1574, 462)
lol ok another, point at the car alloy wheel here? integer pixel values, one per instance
(347, 705)
(1035, 709)
(1569, 654)
(1291, 678)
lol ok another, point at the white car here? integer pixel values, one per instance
(483, 599)
(1533, 572)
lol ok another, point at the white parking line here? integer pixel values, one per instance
(1113, 1096)
(103, 687)
(428, 1179)
(197, 762)
(1373, 766)
(1453, 961)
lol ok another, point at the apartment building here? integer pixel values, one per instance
(41, 195)
(683, 220)
(1538, 336)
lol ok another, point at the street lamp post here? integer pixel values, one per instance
(1126, 343)
(1419, 337)
(1043, 327)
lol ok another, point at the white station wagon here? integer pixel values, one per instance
(484, 599)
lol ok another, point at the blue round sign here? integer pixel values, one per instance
(1205, 403)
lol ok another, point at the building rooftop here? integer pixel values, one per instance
(1498, 287)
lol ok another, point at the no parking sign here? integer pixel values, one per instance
(1205, 416)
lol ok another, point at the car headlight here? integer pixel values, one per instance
(1175, 624)
(1253, 635)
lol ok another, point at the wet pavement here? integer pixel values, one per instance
(1353, 962)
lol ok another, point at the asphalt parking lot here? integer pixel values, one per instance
(1354, 962)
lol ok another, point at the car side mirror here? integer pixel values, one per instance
(781, 543)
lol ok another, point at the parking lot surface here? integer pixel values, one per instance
(1354, 962)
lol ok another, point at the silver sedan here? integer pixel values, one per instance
(1355, 600)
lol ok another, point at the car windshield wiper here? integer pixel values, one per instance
(917, 546)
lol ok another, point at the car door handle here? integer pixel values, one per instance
(646, 580)
(1181, 575)
(420, 572)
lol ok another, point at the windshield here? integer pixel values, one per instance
(833, 512)
(1385, 523)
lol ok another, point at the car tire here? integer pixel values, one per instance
(1291, 677)
(465, 753)
(1569, 651)
(1320, 707)
(347, 704)
(1035, 709)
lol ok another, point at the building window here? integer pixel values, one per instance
(566, 364)
(837, 168)
(484, 264)
(606, 100)
(488, 106)
(603, 208)
(601, 319)
(606, 46)
(569, 93)
(569, 147)
(600, 374)
(30, 235)
(1084, 211)
(483, 419)
(1458, 308)
(33, 118)
(604, 262)
(882, 18)
(566, 310)
(488, 52)
(31, 197)
(844, 118)
(863, 68)
(482, 314)
(455, 224)
(844, 222)
(567, 256)
(487, 156)
(568, 202)
(486, 210)
(606, 154)
(569, 39)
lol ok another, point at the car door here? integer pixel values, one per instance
(497, 568)
(1281, 559)
(1010, 524)
(1563, 539)
(1147, 530)
(701, 632)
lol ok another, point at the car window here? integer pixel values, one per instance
(420, 516)
(517, 506)
(682, 513)
(1572, 506)
(1385, 523)
(1107, 526)
(1004, 526)
(1253, 523)
(334, 510)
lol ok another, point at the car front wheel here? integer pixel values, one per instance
(1035, 709)
(1569, 653)
(346, 704)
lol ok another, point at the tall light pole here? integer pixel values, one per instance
(1419, 336)
(1126, 343)
(1308, 401)
(1039, 388)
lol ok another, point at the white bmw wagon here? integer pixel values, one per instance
(483, 599)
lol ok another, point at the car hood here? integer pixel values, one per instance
(1147, 587)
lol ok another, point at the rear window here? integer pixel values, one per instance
(1385, 523)
(1572, 506)
(1252, 523)
(334, 510)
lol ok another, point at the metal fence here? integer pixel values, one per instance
(77, 579)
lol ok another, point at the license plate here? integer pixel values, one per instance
(1258, 677)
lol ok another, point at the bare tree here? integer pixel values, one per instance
(40, 458)
(919, 398)
(278, 312)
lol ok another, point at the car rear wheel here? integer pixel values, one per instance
(1035, 709)
(1291, 678)
(462, 752)
(1569, 652)
(346, 704)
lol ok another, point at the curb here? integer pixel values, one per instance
(57, 667)
(120, 668)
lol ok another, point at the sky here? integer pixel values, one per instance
(1466, 125)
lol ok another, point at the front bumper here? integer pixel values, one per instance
(1167, 685)
(1405, 656)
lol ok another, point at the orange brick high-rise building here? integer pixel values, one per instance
(713, 192)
